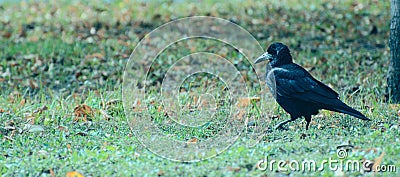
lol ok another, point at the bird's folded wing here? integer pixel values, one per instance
(301, 85)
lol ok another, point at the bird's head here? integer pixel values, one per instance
(277, 54)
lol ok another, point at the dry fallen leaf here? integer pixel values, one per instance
(30, 119)
(95, 55)
(62, 128)
(52, 174)
(82, 112)
(193, 141)
(74, 174)
(244, 102)
(22, 102)
(235, 169)
(33, 84)
(160, 108)
(378, 161)
(240, 115)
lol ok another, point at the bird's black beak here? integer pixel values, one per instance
(265, 56)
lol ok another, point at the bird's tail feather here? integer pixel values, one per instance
(343, 108)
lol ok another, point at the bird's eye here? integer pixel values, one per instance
(272, 52)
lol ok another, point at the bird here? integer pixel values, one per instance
(296, 90)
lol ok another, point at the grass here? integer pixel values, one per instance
(50, 62)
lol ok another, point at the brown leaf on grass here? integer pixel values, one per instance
(234, 169)
(52, 174)
(193, 141)
(74, 174)
(160, 108)
(244, 102)
(33, 84)
(62, 128)
(22, 102)
(240, 115)
(95, 55)
(83, 112)
(377, 162)
(7, 34)
(2, 110)
(195, 99)
(30, 119)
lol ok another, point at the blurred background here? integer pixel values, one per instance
(85, 44)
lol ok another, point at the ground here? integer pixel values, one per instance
(61, 104)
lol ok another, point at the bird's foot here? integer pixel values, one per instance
(307, 125)
(280, 125)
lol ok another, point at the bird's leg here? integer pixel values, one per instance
(308, 120)
(280, 125)
(308, 124)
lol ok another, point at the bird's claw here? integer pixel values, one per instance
(280, 127)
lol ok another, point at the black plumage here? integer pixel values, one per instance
(296, 91)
